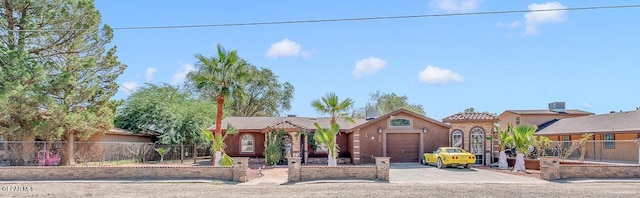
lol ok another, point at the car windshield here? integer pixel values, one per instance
(454, 151)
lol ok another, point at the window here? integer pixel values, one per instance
(246, 144)
(566, 141)
(518, 120)
(609, 141)
(456, 139)
(1, 142)
(400, 122)
(477, 144)
(322, 148)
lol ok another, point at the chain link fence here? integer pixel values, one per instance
(51, 153)
(615, 151)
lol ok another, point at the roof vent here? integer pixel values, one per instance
(371, 114)
(557, 107)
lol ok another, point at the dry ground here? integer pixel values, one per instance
(139, 190)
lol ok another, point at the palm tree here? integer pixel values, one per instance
(330, 104)
(504, 141)
(522, 137)
(216, 78)
(328, 137)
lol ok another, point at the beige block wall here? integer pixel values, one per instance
(466, 128)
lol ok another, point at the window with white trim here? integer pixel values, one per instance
(400, 122)
(456, 139)
(609, 141)
(566, 141)
(247, 144)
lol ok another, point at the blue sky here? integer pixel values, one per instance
(589, 59)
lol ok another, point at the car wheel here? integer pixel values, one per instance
(440, 164)
(423, 162)
(467, 166)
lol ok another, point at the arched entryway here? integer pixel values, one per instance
(477, 144)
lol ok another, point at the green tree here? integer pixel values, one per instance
(82, 71)
(263, 94)
(523, 138)
(216, 78)
(20, 93)
(178, 115)
(385, 103)
(332, 105)
(470, 110)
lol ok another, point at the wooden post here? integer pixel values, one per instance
(195, 153)
(144, 154)
(181, 153)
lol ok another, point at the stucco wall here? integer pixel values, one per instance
(371, 144)
(233, 145)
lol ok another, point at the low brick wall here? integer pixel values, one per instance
(237, 172)
(599, 171)
(337, 172)
(114, 172)
(379, 171)
(551, 169)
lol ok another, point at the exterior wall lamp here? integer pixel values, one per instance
(379, 129)
(424, 129)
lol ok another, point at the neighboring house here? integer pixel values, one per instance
(402, 135)
(605, 127)
(538, 117)
(121, 135)
(469, 131)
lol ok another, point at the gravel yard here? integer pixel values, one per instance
(138, 189)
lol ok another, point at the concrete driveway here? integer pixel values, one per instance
(418, 173)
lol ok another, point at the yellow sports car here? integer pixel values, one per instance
(449, 156)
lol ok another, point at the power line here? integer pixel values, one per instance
(336, 19)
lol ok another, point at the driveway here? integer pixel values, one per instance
(418, 173)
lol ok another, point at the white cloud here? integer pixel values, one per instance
(129, 87)
(437, 76)
(586, 105)
(455, 5)
(535, 19)
(149, 74)
(368, 66)
(179, 76)
(284, 48)
(514, 24)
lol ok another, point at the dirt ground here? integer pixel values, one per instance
(137, 190)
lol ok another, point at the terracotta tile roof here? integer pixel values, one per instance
(613, 122)
(259, 123)
(547, 112)
(463, 116)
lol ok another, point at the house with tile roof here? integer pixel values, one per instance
(401, 135)
(469, 131)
